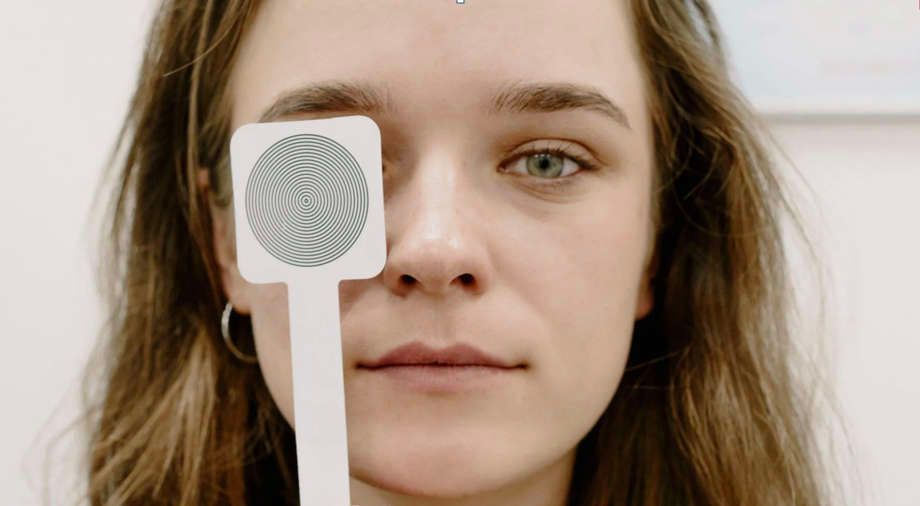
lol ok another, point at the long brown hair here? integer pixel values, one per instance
(716, 406)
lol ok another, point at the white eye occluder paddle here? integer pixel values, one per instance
(308, 212)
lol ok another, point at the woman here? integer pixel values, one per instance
(578, 191)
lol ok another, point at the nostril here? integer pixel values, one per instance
(407, 279)
(466, 279)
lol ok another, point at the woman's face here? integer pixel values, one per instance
(481, 247)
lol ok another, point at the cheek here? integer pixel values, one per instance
(585, 288)
(273, 346)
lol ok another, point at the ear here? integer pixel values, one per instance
(235, 287)
(646, 299)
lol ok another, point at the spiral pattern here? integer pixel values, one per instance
(306, 200)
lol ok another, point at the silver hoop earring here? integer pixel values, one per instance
(225, 331)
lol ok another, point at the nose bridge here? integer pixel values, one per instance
(435, 196)
(432, 241)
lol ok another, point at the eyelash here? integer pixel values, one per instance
(558, 182)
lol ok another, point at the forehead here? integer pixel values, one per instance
(437, 55)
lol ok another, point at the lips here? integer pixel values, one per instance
(418, 353)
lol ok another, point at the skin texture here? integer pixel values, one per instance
(554, 279)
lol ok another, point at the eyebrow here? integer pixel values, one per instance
(361, 97)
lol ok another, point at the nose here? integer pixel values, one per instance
(435, 232)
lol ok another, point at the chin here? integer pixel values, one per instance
(436, 470)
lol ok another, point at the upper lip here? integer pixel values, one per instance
(418, 353)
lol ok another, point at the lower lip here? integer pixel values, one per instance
(445, 378)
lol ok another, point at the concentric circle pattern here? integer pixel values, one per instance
(306, 200)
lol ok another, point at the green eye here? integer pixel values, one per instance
(545, 164)
(548, 166)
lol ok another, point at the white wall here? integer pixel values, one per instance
(68, 71)
(865, 175)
